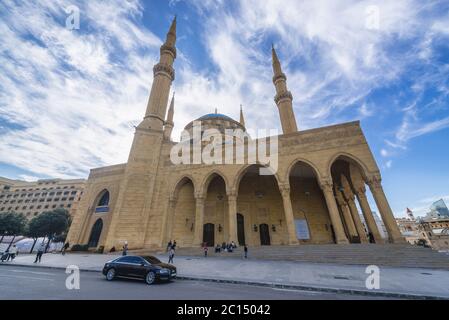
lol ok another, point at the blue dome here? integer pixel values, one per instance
(215, 115)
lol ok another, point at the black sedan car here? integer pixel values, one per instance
(148, 268)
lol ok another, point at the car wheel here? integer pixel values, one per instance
(150, 278)
(110, 275)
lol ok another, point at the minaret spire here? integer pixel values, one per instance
(164, 75)
(242, 119)
(283, 98)
(171, 35)
(277, 69)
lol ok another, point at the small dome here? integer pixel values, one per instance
(215, 116)
(217, 121)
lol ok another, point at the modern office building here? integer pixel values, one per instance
(33, 198)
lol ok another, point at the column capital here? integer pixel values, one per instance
(360, 191)
(326, 185)
(284, 188)
(348, 195)
(199, 196)
(232, 194)
(374, 181)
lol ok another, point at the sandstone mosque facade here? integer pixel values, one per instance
(310, 199)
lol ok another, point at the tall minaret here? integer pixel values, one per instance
(168, 128)
(283, 97)
(164, 74)
(133, 211)
(242, 119)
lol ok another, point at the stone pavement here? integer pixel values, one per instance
(395, 282)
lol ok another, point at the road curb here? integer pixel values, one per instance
(277, 285)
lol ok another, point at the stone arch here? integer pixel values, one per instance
(309, 163)
(208, 179)
(308, 203)
(174, 190)
(241, 173)
(364, 170)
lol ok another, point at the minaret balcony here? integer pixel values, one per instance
(283, 96)
(164, 69)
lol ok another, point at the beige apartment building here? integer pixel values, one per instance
(310, 198)
(33, 198)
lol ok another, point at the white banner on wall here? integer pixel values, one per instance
(302, 229)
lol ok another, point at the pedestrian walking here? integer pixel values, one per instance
(12, 253)
(125, 249)
(205, 251)
(64, 248)
(171, 255)
(169, 245)
(40, 252)
(245, 250)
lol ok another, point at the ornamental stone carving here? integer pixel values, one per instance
(286, 95)
(164, 69)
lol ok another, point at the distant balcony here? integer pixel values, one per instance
(102, 209)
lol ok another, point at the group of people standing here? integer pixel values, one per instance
(230, 247)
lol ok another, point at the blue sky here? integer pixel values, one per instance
(69, 98)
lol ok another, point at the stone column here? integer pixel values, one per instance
(289, 216)
(375, 186)
(326, 186)
(346, 214)
(368, 214)
(357, 221)
(232, 217)
(349, 197)
(199, 220)
(169, 220)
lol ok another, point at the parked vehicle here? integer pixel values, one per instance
(148, 268)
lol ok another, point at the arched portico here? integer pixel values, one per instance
(349, 178)
(309, 206)
(180, 221)
(259, 201)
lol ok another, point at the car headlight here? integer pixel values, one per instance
(164, 271)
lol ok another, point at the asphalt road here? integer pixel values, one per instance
(26, 283)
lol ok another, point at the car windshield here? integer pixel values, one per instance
(152, 260)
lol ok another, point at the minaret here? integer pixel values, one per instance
(283, 97)
(164, 74)
(132, 214)
(168, 128)
(242, 119)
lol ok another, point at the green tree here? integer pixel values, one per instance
(35, 229)
(54, 223)
(13, 224)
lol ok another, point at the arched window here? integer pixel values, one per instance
(104, 200)
(103, 203)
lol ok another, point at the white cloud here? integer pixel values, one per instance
(75, 102)
(384, 153)
(78, 93)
